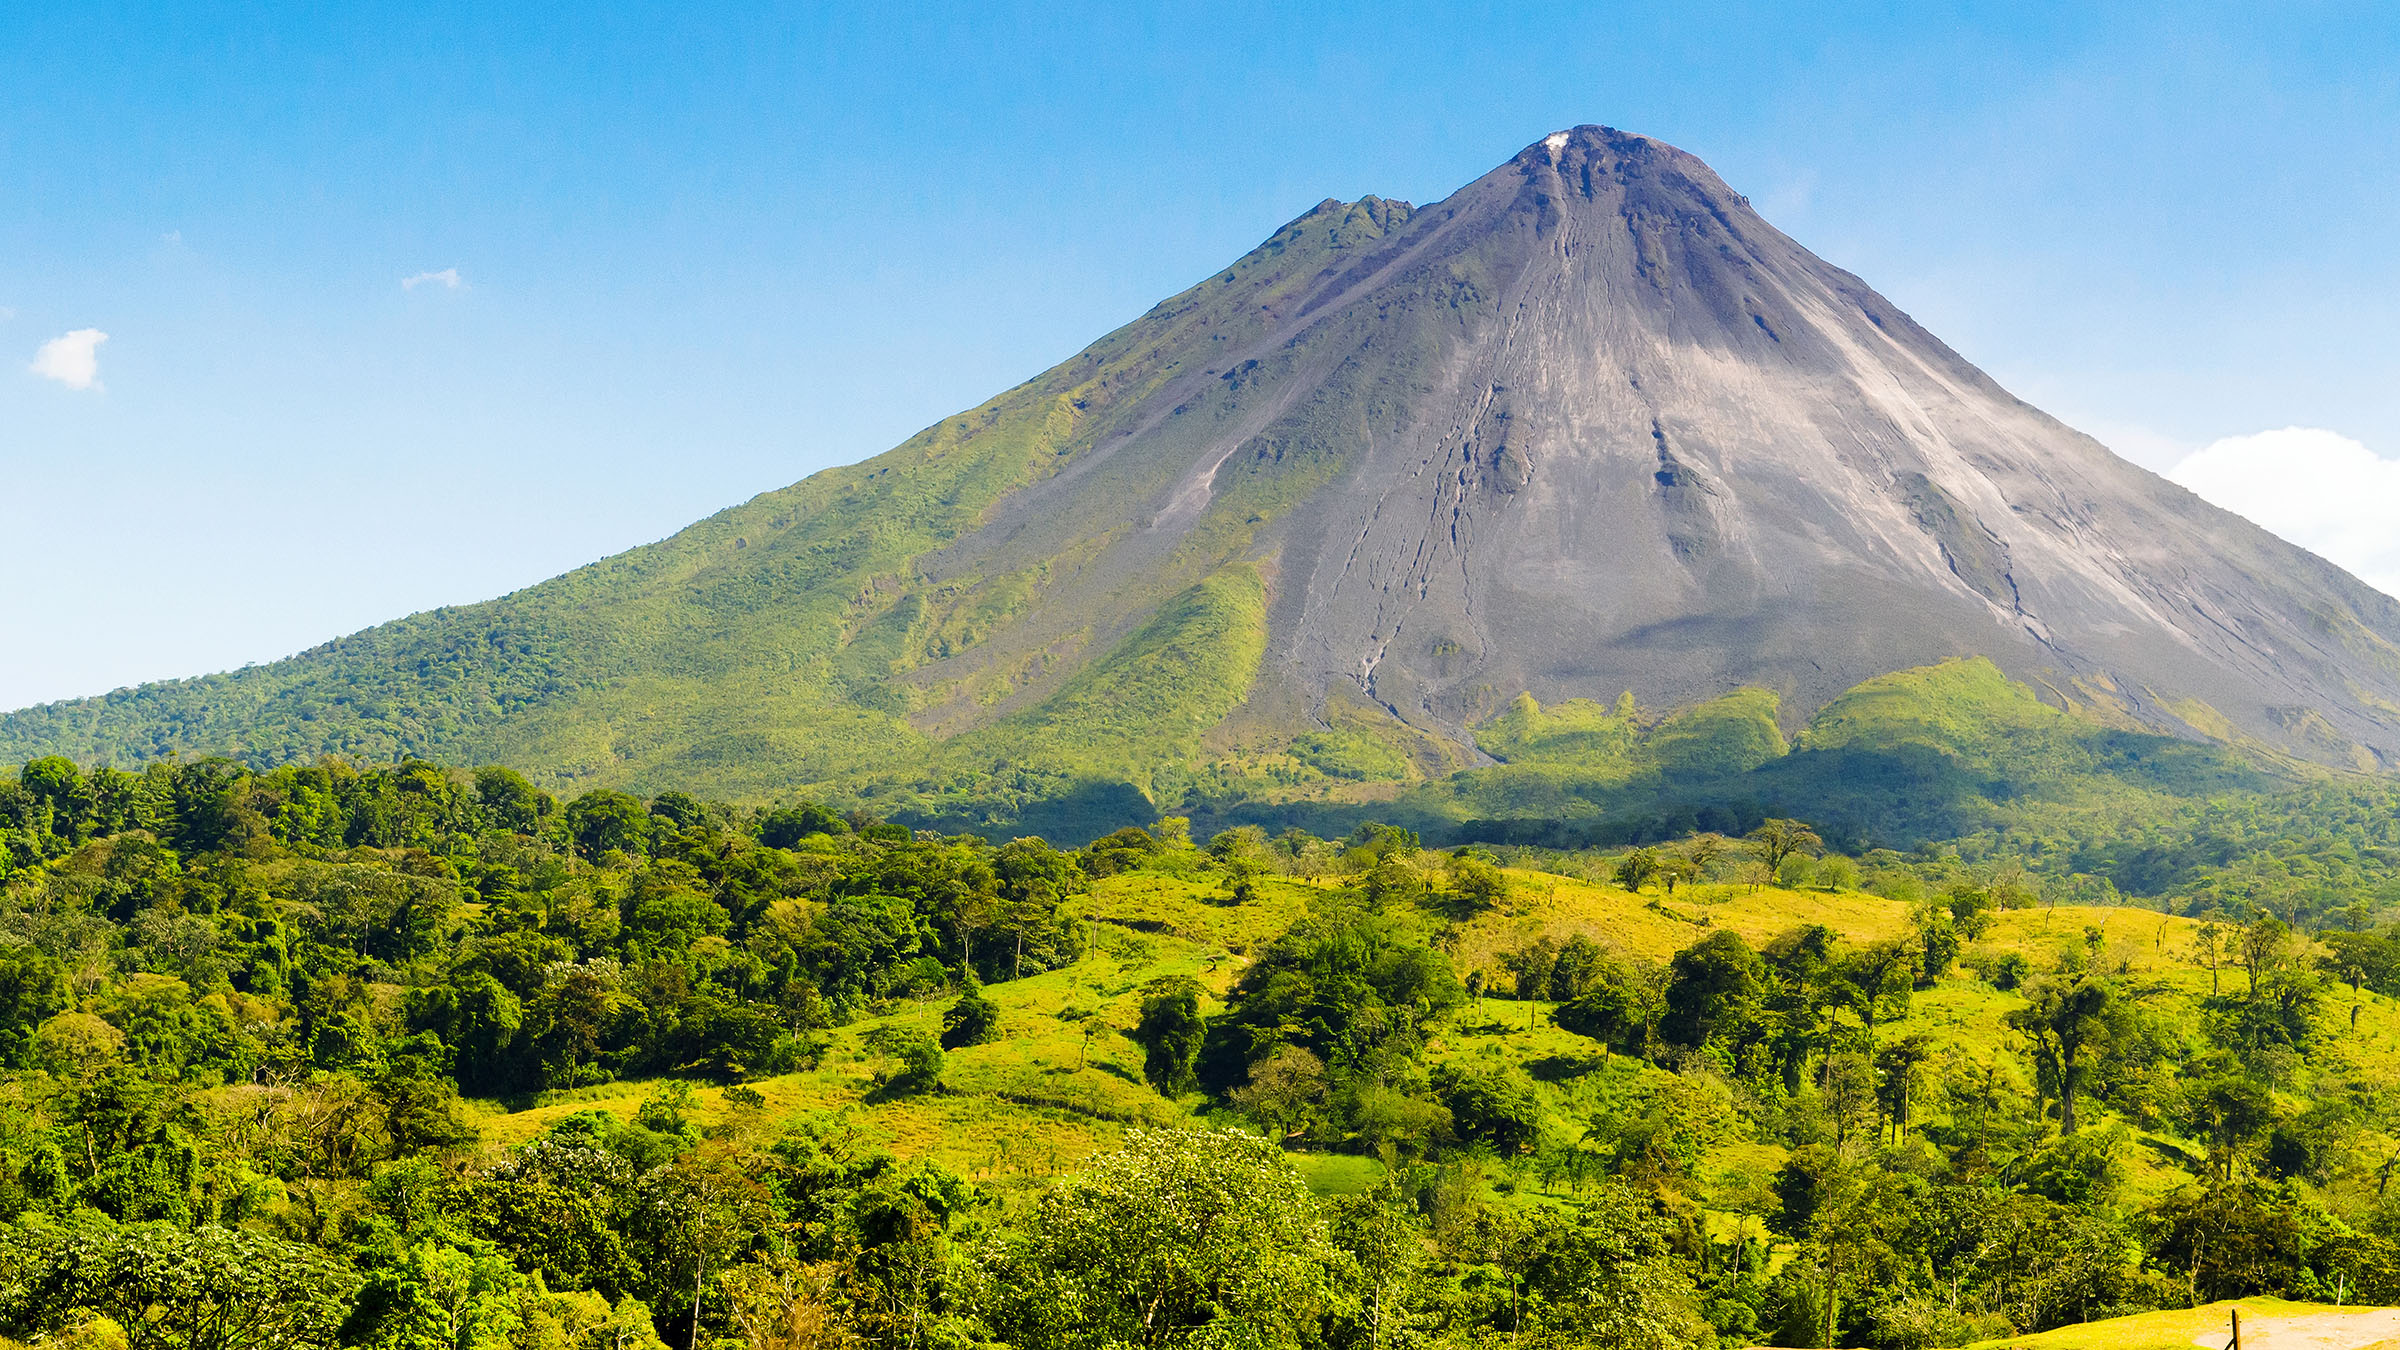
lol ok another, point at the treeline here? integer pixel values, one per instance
(528, 945)
(2315, 855)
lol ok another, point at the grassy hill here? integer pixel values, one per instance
(2266, 1323)
(1042, 1097)
(1063, 1084)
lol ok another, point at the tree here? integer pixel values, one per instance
(1353, 988)
(170, 1288)
(1712, 988)
(604, 819)
(1478, 884)
(1170, 1033)
(1603, 1277)
(33, 989)
(1285, 1090)
(1639, 868)
(910, 1061)
(433, 1294)
(1618, 1010)
(1382, 1234)
(1778, 839)
(1185, 1238)
(2240, 1238)
(1897, 1068)
(508, 801)
(696, 1213)
(782, 1303)
(1581, 963)
(785, 827)
(1702, 851)
(1494, 1106)
(1399, 879)
(2265, 947)
(2228, 1110)
(1034, 879)
(1848, 1089)
(1937, 942)
(1874, 974)
(2070, 1021)
(2209, 944)
(972, 1020)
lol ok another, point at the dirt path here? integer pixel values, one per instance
(2315, 1331)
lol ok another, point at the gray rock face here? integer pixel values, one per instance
(1597, 426)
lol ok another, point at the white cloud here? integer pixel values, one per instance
(447, 279)
(73, 360)
(2320, 489)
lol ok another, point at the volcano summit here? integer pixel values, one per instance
(1589, 425)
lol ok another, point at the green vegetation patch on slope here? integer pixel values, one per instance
(1936, 752)
(1088, 758)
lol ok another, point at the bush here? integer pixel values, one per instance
(1494, 1106)
(973, 1020)
(2000, 970)
(911, 1061)
(1170, 1034)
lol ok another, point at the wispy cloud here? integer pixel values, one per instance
(2320, 489)
(447, 279)
(72, 359)
(6, 314)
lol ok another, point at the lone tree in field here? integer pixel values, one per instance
(1170, 1033)
(1779, 839)
(1639, 868)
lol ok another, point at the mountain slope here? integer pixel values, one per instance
(1589, 425)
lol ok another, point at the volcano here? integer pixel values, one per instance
(1588, 426)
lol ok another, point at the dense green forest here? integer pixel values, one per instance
(417, 1056)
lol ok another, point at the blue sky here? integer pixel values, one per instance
(698, 256)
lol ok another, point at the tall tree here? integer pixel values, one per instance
(1778, 839)
(2070, 1020)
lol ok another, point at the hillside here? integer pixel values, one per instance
(1907, 758)
(2267, 1324)
(1312, 530)
(608, 1070)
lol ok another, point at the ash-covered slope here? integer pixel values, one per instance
(1677, 453)
(1592, 425)
(1589, 425)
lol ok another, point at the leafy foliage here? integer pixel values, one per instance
(242, 1014)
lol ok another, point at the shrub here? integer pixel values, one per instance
(911, 1061)
(973, 1020)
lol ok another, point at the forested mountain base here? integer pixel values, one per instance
(413, 1056)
